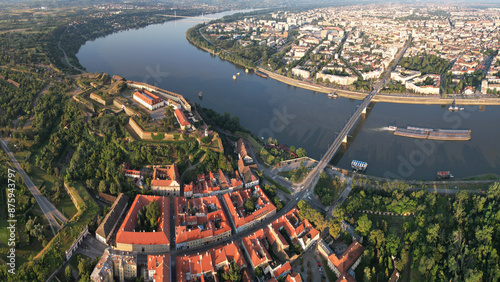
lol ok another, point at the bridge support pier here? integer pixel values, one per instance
(344, 140)
(364, 111)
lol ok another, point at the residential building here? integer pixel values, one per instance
(108, 225)
(204, 266)
(130, 172)
(127, 239)
(242, 152)
(301, 232)
(215, 183)
(403, 75)
(249, 177)
(115, 263)
(159, 268)
(345, 263)
(242, 219)
(253, 245)
(197, 267)
(417, 84)
(297, 71)
(166, 181)
(199, 221)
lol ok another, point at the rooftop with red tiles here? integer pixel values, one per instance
(199, 218)
(235, 202)
(159, 268)
(127, 235)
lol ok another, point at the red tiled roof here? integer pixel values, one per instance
(228, 253)
(284, 268)
(127, 170)
(241, 148)
(194, 264)
(187, 225)
(161, 265)
(347, 258)
(207, 261)
(170, 173)
(148, 97)
(181, 118)
(237, 212)
(126, 233)
(293, 277)
(257, 252)
(188, 187)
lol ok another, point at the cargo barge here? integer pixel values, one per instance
(260, 74)
(433, 134)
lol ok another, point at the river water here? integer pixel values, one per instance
(161, 55)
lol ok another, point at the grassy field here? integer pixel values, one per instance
(256, 145)
(65, 205)
(296, 175)
(279, 186)
(66, 236)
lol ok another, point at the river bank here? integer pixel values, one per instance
(420, 100)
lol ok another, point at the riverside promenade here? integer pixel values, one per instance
(381, 97)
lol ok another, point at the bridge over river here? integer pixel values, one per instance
(310, 181)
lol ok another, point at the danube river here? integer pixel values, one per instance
(161, 55)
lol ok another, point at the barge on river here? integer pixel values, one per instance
(260, 74)
(433, 134)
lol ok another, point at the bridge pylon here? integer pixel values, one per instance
(344, 140)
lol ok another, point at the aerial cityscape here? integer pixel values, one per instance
(249, 140)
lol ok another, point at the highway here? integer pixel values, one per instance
(50, 212)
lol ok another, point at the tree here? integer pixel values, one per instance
(301, 152)
(234, 272)
(393, 243)
(334, 228)
(364, 225)
(249, 206)
(259, 272)
(83, 267)
(112, 188)
(147, 217)
(292, 148)
(34, 230)
(102, 186)
(68, 273)
(494, 191)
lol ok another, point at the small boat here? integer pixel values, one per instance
(444, 175)
(200, 94)
(392, 128)
(234, 77)
(359, 165)
(246, 71)
(238, 74)
(333, 95)
(454, 108)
